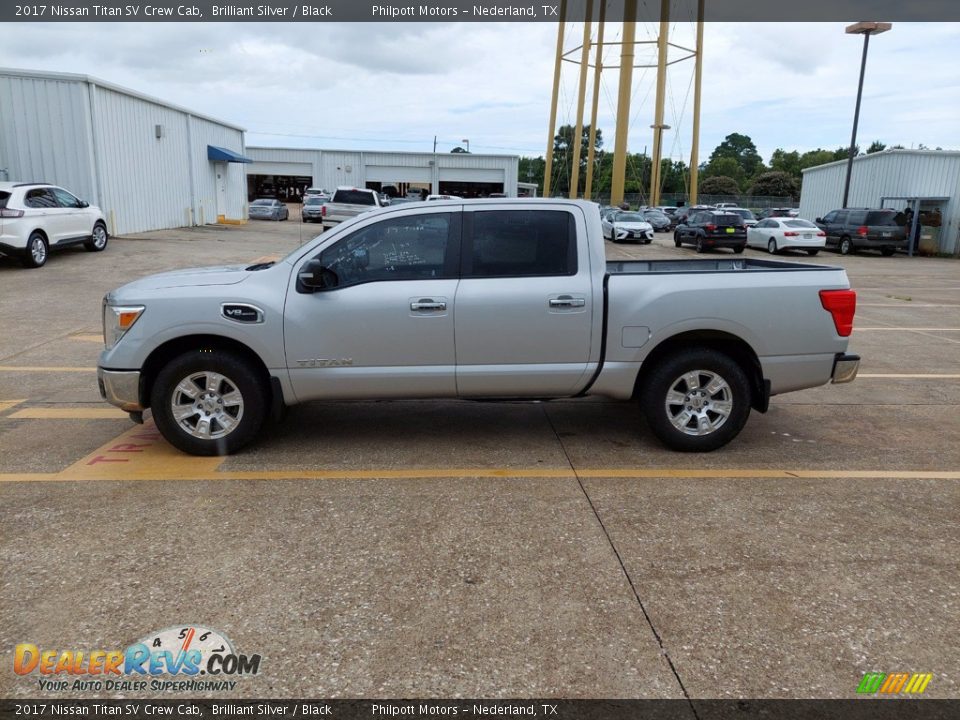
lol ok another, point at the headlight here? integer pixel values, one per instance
(117, 319)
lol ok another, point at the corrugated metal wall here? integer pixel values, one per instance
(907, 173)
(45, 134)
(101, 143)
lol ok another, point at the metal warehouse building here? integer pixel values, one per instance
(926, 180)
(148, 164)
(463, 174)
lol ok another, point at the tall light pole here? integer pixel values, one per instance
(866, 29)
(467, 143)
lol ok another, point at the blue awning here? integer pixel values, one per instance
(219, 154)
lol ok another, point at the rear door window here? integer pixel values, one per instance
(881, 217)
(840, 218)
(40, 198)
(857, 217)
(354, 197)
(520, 243)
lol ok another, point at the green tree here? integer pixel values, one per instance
(876, 146)
(741, 149)
(563, 143)
(724, 167)
(777, 184)
(530, 169)
(816, 157)
(719, 185)
(842, 153)
(788, 162)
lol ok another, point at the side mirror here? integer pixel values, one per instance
(313, 276)
(818, 220)
(83, 204)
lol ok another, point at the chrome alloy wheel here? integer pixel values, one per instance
(207, 405)
(699, 402)
(38, 249)
(99, 237)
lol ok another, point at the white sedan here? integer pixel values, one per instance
(626, 226)
(786, 233)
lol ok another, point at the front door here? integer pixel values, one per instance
(384, 327)
(525, 305)
(220, 169)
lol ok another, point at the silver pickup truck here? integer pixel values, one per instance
(494, 299)
(347, 203)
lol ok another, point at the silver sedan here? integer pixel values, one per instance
(268, 209)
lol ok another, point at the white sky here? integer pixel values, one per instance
(395, 86)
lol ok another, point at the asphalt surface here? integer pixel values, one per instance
(436, 549)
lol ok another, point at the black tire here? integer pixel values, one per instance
(813, 251)
(887, 252)
(676, 239)
(669, 373)
(846, 246)
(648, 241)
(36, 252)
(700, 247)
(98, 241)
(739, 249)
(772, 246)
(239, 376)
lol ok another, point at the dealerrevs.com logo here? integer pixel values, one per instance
(188, 658)
(898, 683)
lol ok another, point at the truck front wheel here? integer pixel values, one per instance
(209, 402)
(697, 400)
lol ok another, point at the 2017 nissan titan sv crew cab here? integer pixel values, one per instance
(488, 299)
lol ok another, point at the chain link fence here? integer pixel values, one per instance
(753, 202)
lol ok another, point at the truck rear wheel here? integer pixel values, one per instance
(209, 402)
(696, 400)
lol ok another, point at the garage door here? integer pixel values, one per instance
(471, 175)
(280, 168)
(389, 173)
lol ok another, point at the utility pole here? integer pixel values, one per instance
(697, 76)
(548, 167)
(581, 97)
(623, 102)
(658, 126)
(588, 187)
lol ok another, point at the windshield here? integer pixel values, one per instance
(261, 203)
(655, 215)
(315, 201)
(745, 214)
(805, 224)
(881, 217)
(630, 217)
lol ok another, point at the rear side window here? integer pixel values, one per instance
(857, 218)
(881, 217)
(4, 196)
(521, 243)
(354, 197)
(40, 198)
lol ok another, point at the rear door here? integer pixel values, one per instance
(47, 213)
(524, 303)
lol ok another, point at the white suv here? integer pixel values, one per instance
(36, 217)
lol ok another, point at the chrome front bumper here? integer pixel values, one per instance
(845, 368)
(120, 388)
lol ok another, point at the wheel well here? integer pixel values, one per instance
(172, 348)
(39, 231)
(717, 340)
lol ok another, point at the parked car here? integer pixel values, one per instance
(408, 302)
(726, 206)
(626, 226)
(776, 234)
(315, 192)
(684, 213)
(312, 210)
(36, 218)
(863, 229)
(433, 198)
(348, 202)
(749, 219)
(268, 209)
(659, 221)
(708, 229)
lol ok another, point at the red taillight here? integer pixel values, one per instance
(841, 304)
(10, 213)
(790, 233)
(709, 228)
(821, 234)
(323, 211)
(862, 231)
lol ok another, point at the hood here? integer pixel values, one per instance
(190, 277)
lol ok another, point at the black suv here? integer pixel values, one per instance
(712, 229)
(863, 229)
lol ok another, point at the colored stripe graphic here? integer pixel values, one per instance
(894, 683)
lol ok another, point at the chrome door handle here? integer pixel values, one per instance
(427, 304)
(567, 301)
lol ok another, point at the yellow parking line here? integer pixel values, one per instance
(7, 404)
(60, 413)
(35, 368)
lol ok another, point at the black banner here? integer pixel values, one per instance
(472, 11)
(856, 709)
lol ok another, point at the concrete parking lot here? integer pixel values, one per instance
(523, 549)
